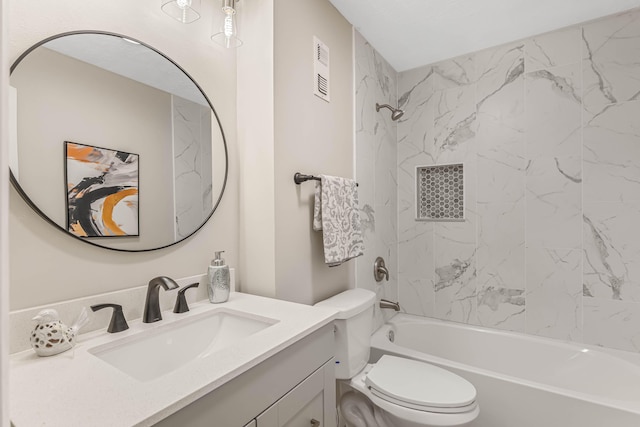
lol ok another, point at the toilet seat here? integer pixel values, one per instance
(420, 386)
(424, 415)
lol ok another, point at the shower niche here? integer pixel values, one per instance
(440, 192)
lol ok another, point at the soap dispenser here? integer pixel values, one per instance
(218, 280)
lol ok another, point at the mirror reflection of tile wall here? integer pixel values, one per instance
(192, 162)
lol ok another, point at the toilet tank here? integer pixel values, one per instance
(352, 329)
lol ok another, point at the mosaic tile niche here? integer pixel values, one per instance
(440, 192)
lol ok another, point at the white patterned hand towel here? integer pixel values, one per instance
(336, 214)
(317, 207)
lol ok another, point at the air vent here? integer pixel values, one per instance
(322, 53)
(321, 70)
(323, 85)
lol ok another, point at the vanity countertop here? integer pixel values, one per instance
(76, 388)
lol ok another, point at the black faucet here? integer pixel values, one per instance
(152, 302)
(118, 322)
(181, 301)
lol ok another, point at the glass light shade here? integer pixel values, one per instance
(227, 26)
(185, 11)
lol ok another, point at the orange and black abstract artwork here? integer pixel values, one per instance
(102, 191)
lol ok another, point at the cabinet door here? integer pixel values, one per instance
(309, 416)
(303, 406)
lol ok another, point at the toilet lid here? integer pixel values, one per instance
(419, 385)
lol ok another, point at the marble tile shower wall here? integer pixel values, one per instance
(549, 132)
(376, 170)
(192, 165)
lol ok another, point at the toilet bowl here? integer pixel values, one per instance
(395, 391)
(410, 393)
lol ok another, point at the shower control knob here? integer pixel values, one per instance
(380, 270)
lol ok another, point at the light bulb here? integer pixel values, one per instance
(228, 28)
(184, 5)
(185, 11)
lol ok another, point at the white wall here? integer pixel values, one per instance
(312, 136)
(256, 147)
(193, 157)
(550, 243)
(47, 265)
(4, 223)
(376, 154)
(286, 129)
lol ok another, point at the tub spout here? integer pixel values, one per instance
(389, 304)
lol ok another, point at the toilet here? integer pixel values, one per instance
(395, 391)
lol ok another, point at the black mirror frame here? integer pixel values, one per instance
(25, 197)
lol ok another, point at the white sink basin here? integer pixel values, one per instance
(150, 354)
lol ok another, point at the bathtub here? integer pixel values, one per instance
(523, 381)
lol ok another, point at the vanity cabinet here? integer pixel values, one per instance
(293, 388)
(309, 404)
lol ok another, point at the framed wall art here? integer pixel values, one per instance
(102, 191)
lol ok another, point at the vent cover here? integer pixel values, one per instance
(321, 85)
(440, 192)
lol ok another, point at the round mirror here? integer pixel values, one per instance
(114, 143)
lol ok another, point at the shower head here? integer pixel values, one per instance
(396, 113)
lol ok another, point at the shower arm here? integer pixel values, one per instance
(379, 106)
(396, 113)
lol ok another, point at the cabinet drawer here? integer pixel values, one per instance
(301, 407)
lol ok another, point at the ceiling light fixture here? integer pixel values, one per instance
(185, 11)
(227, 26)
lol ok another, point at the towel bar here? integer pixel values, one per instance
(299, 178)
